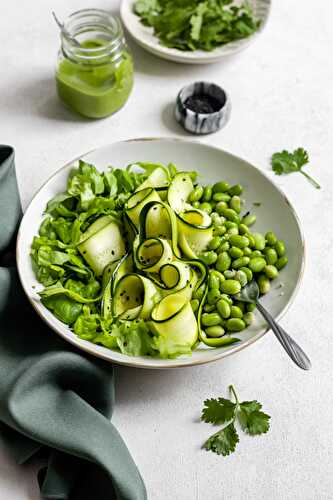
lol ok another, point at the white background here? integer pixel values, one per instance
(282, 95)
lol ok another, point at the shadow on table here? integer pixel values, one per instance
(151, 65)
(135, 384)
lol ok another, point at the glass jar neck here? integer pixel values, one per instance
(98, 33)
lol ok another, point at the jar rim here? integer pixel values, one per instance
(85, 20)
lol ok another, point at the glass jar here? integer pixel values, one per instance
(94, 76)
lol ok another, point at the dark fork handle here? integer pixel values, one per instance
(290, 346)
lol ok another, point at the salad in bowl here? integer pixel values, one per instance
(147, 261)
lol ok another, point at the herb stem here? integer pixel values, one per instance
(233, 392)
(311, 180)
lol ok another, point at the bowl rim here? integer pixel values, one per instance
(189, 57)
(138, 362)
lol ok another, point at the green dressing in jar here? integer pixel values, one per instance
(95, 78)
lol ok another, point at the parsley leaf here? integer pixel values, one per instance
(223, 442)
(286, 163)
(218, 411)
(248, 414)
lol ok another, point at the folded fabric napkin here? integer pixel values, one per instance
(53, 397)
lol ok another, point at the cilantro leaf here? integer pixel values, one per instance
(251, 419)
(218, 411)
(223, 442)
(285, 162)
(248, 414)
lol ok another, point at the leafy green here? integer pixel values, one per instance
(64, 308)
(197, 24)
(224, 441)
(223, 411)
(286, 163)
(218, 411)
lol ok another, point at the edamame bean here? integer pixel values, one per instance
(248, 318)
(213, 281)
(206, 207)
(227, 298)
(271, 255)
(195, 305)
(233, 231)
(247, 251)
(219, 276)
(229, 274)
(230, 214)
(213, 296)
(210, 319)
(223, 247)
(220, 230)
(241, 277)
(231, 287)
(256, 253)
(237, 189)
(214, 243)
(235, 203)
(196, 204)
(281, 262)
(257, 264)
(260, 241)
(236, 312)
(220, 187)
(271, 238)
(250, 307)
(249, 219)
(235, 252)
(223, 261)
(223, 308)
(235, 324)
(251, 240)
(263, 284)
(215, 331)
(215, 218)
(228, 224)
(207, 193)
(220, 206)
(241, 262)
(243, 229)
(209, 257)
(221, 197)
(196, 194)
(208, 308)
(239, 241)
(280, 248)
(248, 273)
(241, 305)
(271, 272)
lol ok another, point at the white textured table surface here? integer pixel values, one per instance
(282, 94)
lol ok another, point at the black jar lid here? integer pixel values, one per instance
(202, 107)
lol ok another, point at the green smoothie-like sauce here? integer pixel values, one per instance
(95, 90)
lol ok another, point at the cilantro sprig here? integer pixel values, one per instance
(221, 411)
(287, 163)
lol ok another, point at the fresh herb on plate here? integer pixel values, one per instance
(221, 411)
(287, 163)
(197, 24)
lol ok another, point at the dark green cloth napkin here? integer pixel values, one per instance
(52, 397)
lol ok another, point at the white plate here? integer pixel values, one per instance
(275, 213)
(145, 37)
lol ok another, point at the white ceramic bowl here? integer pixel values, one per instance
(275, 213)
(145, 37)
